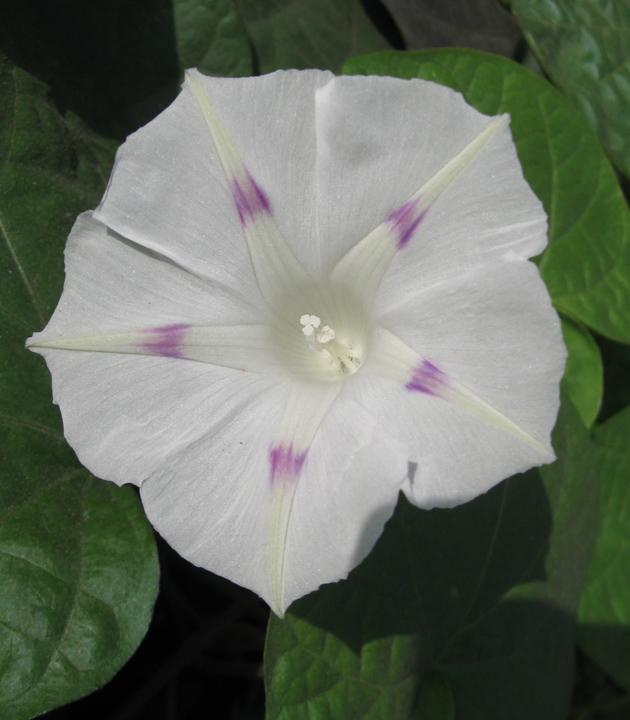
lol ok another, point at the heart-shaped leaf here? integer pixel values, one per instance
(78, 567)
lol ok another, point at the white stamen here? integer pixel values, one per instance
(326, 334)
(337, 353)
(312, 320)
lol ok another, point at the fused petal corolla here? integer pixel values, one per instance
(300, 295)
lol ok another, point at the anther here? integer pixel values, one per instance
(325, 342)
(326, 334)
(311, 320)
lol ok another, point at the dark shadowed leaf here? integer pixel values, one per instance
(479, 24)
(118, 64)
(308, 33)
(604, 613)
(616, 359)
(78, 569)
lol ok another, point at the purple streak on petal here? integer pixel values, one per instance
(285, 465)
(427, 379)
(405, 220)
(250, 199)
(166, 341)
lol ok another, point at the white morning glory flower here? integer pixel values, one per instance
(299, 295)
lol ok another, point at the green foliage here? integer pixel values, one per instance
(78, 567)
(584, 372)
(584, 45)
(587, 264)
(436, 699)
(476, 602)
(604, 613)
(78, 570)
(211, 37)
(308, 33)
(616, 360)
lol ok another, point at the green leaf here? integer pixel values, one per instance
(584, 374)
(587, 264)
(604, 612)
(584, 46)
(308, 33)
(481, 598)
(78, 572)
(616, 359)
(78, 568)
(436, 698)
(211, 37)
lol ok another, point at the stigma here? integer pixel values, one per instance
(343, 358)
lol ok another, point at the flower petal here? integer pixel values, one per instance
(169, 190)
(211, 500)
(113, 285)
(473, 369)
(126, 415)
(168, 193)
(394, 359)
(379, 141)
(275, 265)
(368, 261)
(271, 120)
(348, 490)
(305, 410)
(252, 500)
(123, 414)
(488, 213)
(247, 348)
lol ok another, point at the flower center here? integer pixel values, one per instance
(343, 358)
(321, 333)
